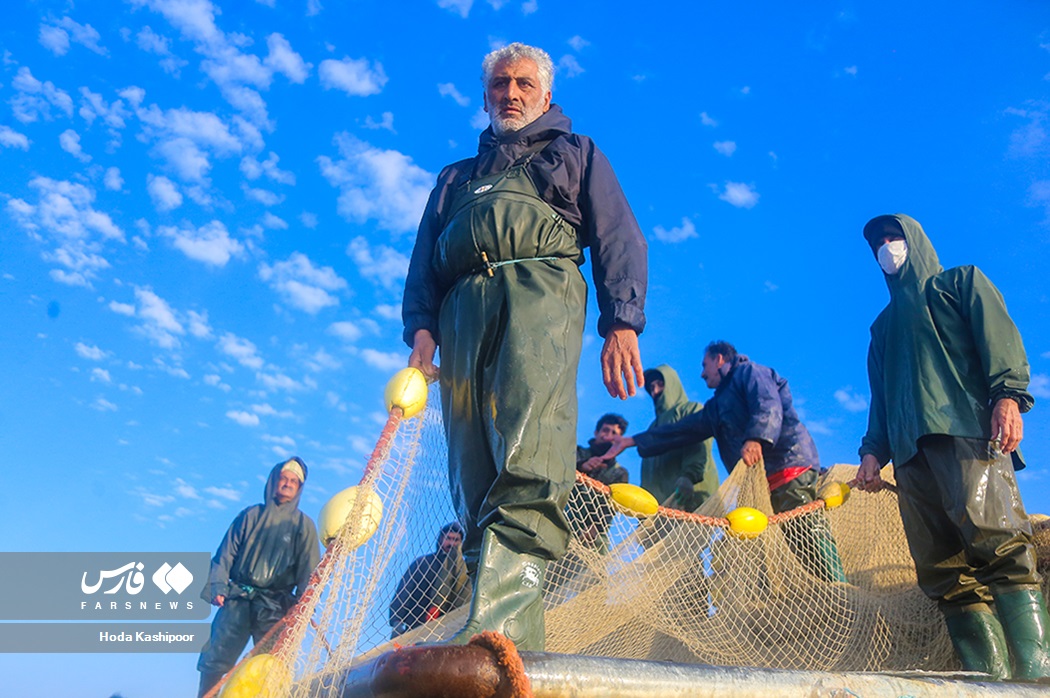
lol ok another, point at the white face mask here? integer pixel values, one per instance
(891, 256)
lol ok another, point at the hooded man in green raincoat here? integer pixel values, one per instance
(494, 281)
(689, 473)
(949, 379)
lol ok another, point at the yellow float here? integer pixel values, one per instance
(834, 494)
(262, 676)
(746, 522)
(335, 513)
(638, 502)
(407, 390)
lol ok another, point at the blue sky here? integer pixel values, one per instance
(206, 211)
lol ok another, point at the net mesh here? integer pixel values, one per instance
(674, 587)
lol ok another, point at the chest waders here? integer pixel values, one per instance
(511, 331)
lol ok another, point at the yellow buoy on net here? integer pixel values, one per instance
(638, 502)
(262, 676)
(407, 390)
(745, 522)
(834, 494)
(334, 514)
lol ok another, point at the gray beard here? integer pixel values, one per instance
(502, 126)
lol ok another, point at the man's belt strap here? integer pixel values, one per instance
(489, 267)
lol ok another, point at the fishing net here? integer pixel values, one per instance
(675, 586)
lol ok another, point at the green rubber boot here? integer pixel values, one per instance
(508, 596)
(1025, 623)
(978, 640)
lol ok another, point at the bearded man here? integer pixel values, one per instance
(494, 281)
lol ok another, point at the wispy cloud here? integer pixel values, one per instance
(739, 194)
(163, 192)
(57, 34)
(384, 361)
(210, 244)
(726, 148)
(10, 138)
(353, 76)
(301, 284)
(850, 400)
(447, 89)
(1040, 386)
(459, 7)
(241, 350)
(245, 419)
(34, 99)
(375, 184)
(382, 265)
(683, 232)
(90, 352)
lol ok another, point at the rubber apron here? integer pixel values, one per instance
(511, 329)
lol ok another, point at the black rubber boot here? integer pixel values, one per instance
(1025, 623)
(978, 640)
(508, 596)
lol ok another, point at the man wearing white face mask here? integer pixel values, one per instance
(949, 379)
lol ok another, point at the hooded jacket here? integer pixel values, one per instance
(269, 547)
(577, 181)
(433, 585)
(660, 473)
(752, 402)
(942, 352)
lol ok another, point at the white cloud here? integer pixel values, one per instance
(388, 311)
(286, 61)
(683, 232)
(386, 122)
(301, 284)
(1040, 386)
(35, 99)
(313, 8)
(345, 330)
(253, 169)
(353, 77)
(529, 7)
(215, 381)
(569, 66)
(186, 139)
(851, 70)
(112, 179)
(211, 243)
(90, 352)
(382, 265)
(245, 419)
(707, 120)
(447, 89)
(9, 138)
(308, 219)
(459, 7)
(159, 323)
(56, 35)
(384, 361)
(65, 219)
(578, 43)
(93, 106)
(280, 381)
(100, 375)
(739, 194)
(122, 308)
(154, 43)
(381, 185)
(70, 142)
(726, 148)
(850, 400)
(273, 222)
(103, 405)
(240, 349)
(224, 493)
(263, 196)
(163, 192)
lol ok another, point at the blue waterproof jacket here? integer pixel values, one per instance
(752, 402)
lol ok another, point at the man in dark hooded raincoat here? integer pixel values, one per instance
(494, 280)
(689, 473)
(949, 379)
(752, 419)
(433, 584)
(261, 567)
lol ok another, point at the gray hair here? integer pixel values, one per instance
(515, 52)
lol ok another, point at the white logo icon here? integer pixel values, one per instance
(530, 575)
(168, 578)
(133, 579)
(483, 188)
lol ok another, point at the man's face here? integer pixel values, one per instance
(451, 539)
(607, 432)
(889, 234)
(710, 374)
(654, 387)
(515, 97)
(287, 487)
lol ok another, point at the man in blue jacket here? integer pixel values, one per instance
(753, 420)
(494, 280)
